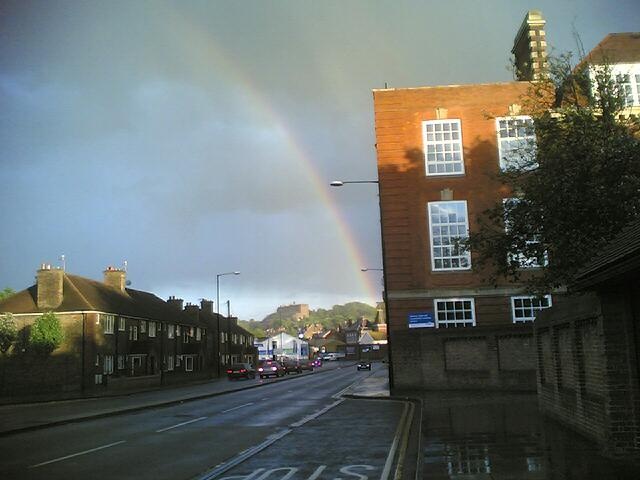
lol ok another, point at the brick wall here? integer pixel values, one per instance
(487, 358)
(588, 368)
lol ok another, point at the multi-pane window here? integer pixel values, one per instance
(133, 333)
(516, 141)
(449, 228)
(627, 77)
(198, 334)
(152, 329)
(454, 312)
(170, 330)
(221, 337)
(143, 326)
(443, 147)
(122, 324)
(530, 243)
(524, 309)
(107, 367)
(121, 362)
(107, 323)
(626, 85)
(177, 330)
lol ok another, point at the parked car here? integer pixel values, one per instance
(291, 365)
(271, 368)
(364, 365)
(307, 365)
(317, 362)
(330, 357)
(241, 370)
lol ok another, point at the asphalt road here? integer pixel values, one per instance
(183, 441)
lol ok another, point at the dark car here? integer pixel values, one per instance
(241, 370)
(307, 365)
(291, 366)
(271, 368)
(364, 365)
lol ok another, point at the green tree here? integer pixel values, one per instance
(46, 333)
(572, 191)
(6, 293)
(8, 332)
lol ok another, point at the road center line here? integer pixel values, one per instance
(77, 454)
(180, 424)
(236, 408)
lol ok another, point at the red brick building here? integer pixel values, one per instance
(439, 150)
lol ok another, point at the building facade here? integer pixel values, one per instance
(115, 338)
(439, 150)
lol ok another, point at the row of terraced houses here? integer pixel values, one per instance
(116, 338)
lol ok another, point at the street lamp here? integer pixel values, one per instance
(340, 183)
(218, 313)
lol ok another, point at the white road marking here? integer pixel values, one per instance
(77, 454)
(315, 415)
(236, 408)
(180, 424)
(394, 445)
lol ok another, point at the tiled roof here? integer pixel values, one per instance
(620, 256)
(83, 294)
(616, 48)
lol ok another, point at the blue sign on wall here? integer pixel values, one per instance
(421, 320)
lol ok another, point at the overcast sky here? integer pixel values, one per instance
(199, 137)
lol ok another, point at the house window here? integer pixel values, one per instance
(443, 147)
(221, 337)
(121, 325)
(133, 333)
(516, 141)
(516, 254)
(448, 225)
(170, 330)
(188, 364)
(198, 334)
(143, 326)
(107, 367)
(121, 362)
(152, 329)
(108, 323)
(97, 378)
(178, 360)
(177, 330)
(524, 309)
(455, 312)
(170, 365)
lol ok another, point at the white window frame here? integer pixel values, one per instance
(107, 365)
(143, 326)
(170, 363)
(517, 139)
(222, 337)
(108, 323)
(524, 262)
(178, 330)
(121, 362)
(171, 330)
(431, 145)
(133, 333)
(188, 363)
(122, 325)
(454, 322)
(621, 69)
(198, 334)
(466, 256)
(152, 329)
(532, 308)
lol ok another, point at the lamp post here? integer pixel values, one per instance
(340, 183)
(218, 313)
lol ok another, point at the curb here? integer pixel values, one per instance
(169, 403)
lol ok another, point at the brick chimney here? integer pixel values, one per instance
(530, 47)
(206, 305)
(175, 302)
(192, 311)
(49, 287)
(115, 278)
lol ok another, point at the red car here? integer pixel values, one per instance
(271, 368)
(241, 370)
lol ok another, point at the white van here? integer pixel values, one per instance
(330, 357)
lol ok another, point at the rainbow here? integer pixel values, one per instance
(204, 53)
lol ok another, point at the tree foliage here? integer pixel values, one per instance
(8, 332)
(575, 191)
(6, 293)
(328, 318)
(46, 334)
